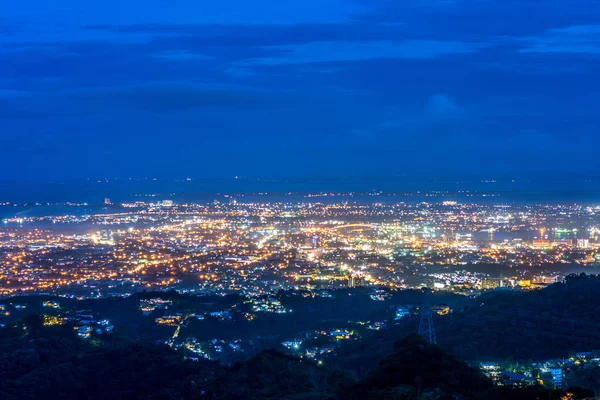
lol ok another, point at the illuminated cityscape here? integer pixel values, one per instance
(299, 200)
(261, 247)
(310, 274)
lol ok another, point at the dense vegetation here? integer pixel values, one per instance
(40, 362)
(52, 362)
(556, 322)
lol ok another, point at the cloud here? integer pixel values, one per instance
(440, 111)
(8, 29)
(30, 106)
(444, 107)
(154, 97)
(582, 39)
(11, 93)
(58, 19)
(322, 52)
(181, 55)
(361, 135)
(580, 30)
(174, 96)
(237, 35)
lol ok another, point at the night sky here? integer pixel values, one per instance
(177, 88)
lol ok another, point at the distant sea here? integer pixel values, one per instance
(564, 188)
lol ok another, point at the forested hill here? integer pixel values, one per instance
(51, 362)
(41, 362)
(555, 322)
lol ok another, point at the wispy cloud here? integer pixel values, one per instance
(572, 39)
(11, 94)
(181, 55)
(321, 52)
(440, 110)
(180, 95)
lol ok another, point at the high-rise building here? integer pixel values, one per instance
(583, 243)
(350, 281)
(354, 281)
(314, 241)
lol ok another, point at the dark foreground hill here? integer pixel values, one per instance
(38, 362)
(555, 322)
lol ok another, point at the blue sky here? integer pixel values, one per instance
(176, 88)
